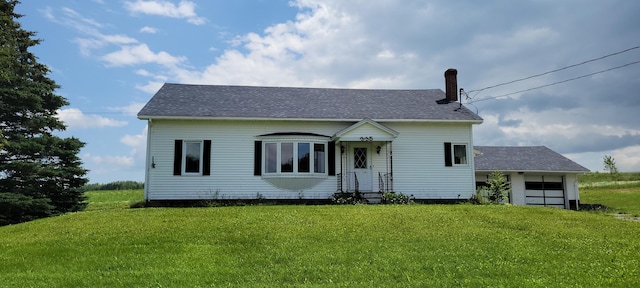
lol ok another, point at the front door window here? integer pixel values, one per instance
(360, 158)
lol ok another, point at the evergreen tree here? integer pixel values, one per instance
(40, 173)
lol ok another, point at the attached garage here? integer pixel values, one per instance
(545, 191)
(538, 175)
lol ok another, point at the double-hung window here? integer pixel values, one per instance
(192, 157)
(192, 160)
(455, 154)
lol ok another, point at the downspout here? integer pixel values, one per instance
(565, 195)
(386, 166)
(577, 189)
(391, 164)
(149, 159)
(544, 193)
(341, 172)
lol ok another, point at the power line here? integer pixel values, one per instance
(556, 70)
(559, 82)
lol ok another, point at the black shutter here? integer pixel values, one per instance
(257, 158)
(447, 154)
(332, 158)
(206, 161)
(177, 158)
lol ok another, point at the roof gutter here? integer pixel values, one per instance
(148, 117)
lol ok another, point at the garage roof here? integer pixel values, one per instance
(523, 159)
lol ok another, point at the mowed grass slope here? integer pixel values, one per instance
(112, 199)
(360, 246)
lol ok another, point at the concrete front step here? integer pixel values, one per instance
(372, 197)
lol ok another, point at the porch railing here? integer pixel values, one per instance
(356, 183)
(385, 182)
(349, 178)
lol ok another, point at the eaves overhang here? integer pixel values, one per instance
(150, 117)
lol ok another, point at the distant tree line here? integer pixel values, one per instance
(117, 185)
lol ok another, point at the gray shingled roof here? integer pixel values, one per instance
(214, 101)
(532, 158)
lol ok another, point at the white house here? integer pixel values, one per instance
(239, 142)
(537, 175)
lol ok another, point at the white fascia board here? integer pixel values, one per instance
(148, 117)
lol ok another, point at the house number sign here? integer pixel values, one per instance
(366, 139)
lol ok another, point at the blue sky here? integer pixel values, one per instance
(109, 57)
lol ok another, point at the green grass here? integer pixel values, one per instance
(619, 198)
(115, 199)
(619, 180)
(313, 246)
(618, 192)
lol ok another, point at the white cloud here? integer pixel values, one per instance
(138, 144)
(93, 39)
(147, 29)
(628, 158)
(184, 9)
(75, 119)
(132, 109)
(140, 54)
(75, 15)
(151, 87)
(123, 166)
(113, 161)
(137, 141)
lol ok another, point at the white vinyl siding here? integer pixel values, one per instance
(418, 162)
(233, 152)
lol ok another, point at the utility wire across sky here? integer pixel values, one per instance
(555, 70)
(555, 83)
(471, 99)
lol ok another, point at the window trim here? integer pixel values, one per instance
(450, 154)
(180, 157)
(185, 143)
(296, 169)
(453, 154)
(279, 139)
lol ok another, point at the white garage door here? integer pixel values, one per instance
(544, 191)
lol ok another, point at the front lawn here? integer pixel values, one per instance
(361, 246)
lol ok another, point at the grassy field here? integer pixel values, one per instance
(116, 199)
(620, 193)
(344, 246)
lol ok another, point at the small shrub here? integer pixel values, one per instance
(396, 198)
(344, 198)
(497, 187)
(481, 196)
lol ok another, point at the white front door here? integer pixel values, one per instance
(361, 165)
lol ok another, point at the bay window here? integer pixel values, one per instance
(294, 158)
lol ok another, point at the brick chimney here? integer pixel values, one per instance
(451, 84)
